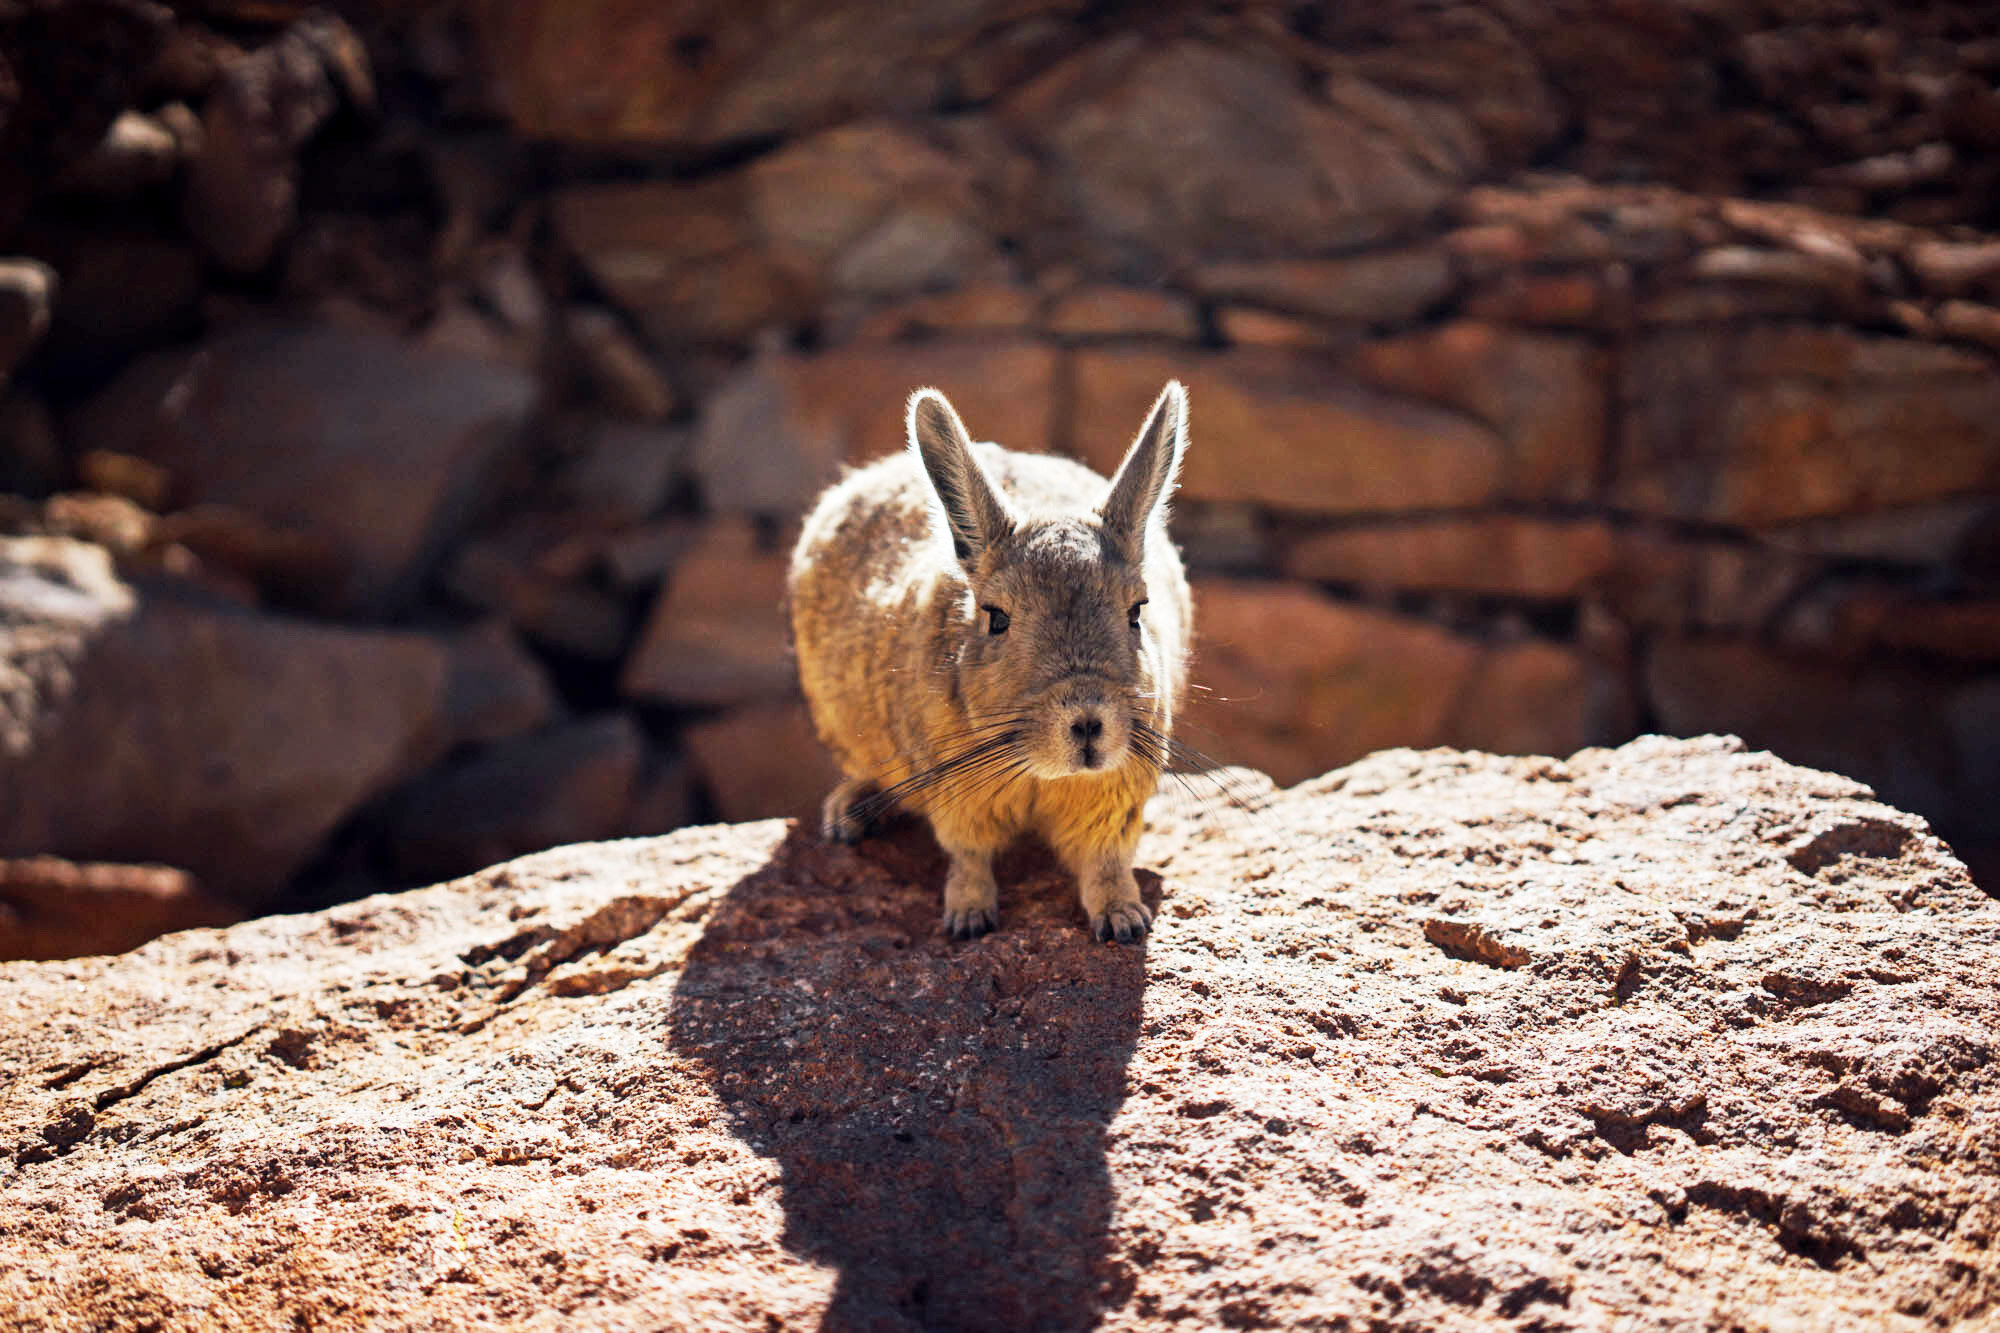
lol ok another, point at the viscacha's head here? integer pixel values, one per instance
(1058, 654)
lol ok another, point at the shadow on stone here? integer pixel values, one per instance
(938, 1112)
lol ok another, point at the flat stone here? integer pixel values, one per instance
(1557, 300)
(557, 609)
(494, 687)
(1969, 321)
(623, 471)
(1492, 554)
(1191, 150)
(1101, 311)
(601, 73)
(1767, 426)
(716, 634)
(1339, 681)
(868, 209)
(1955, 268)
(1287, 429)
(1344, 679)
(569, 783)
(1375, 287)
(356, 439)
(772, 437)
(1671, 1020)
(984, 306)
(1246, 326)
(52, 908)
(141, 729)
(762, 760)
(679, 259)
(1546, 394)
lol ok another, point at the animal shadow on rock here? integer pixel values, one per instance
(938, 1110)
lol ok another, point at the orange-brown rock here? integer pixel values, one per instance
(1290, 681)
(141, 726)
(1777, 423)
(1547, 395)
(1250, 327)
(763, 760)
(1374, 287)
(1495, 553)
(679, 259)
(361, 441)
(51, 908)
(1670, 1036)
(716, 634)
(777, 433)
(1205, 150)
(1284, 427)
(1557, 300)
(611, 73)
(989, 307)
(1101, 311)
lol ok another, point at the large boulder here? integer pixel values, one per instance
(361, 440)
(1293, 682)
(1670, 1036)
(704, 75)
(168, 728)
(869, 210)
(1771, 424)
(777, 432)
(1286, 428)
(1194, 150)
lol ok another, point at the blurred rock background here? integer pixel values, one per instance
(407, 407)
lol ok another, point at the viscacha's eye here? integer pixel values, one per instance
(1133, 616)
(996, 620)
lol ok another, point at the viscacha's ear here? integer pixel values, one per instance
(1145, 479)
(974, 514)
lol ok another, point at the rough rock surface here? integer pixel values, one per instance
(350, 437)
(204, 736)
(1670, 1036)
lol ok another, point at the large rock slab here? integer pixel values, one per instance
(360, 439)
(608, 72)
(1284, 427)
(717, 633)
(869, 210)
(1293, 682)
(163, 728)
(1775, 424)
(777, 432)
(1192, 150)
(1670, 1036)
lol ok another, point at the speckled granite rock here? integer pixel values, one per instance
(1669, 1036)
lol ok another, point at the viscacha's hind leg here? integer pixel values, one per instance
(840, 816)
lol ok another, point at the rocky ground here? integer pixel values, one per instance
(1669, 1036)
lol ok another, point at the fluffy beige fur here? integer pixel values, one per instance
(998, 642)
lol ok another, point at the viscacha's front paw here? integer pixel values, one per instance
(1124, 922)
(969, 923)
(841, 817)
